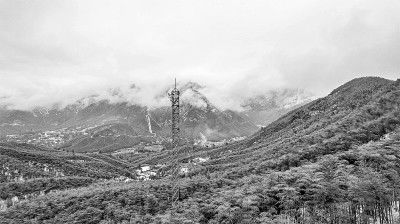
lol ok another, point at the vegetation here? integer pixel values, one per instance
(21, 189)
(357, 186)
(33, 162)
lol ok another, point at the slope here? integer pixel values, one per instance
(23, 161)
(27, 169)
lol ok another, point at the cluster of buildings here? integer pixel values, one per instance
(51, 138)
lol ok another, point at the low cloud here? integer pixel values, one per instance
(61, 51)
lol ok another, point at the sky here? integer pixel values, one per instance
(54, 51)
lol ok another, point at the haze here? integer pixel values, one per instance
(60, 51)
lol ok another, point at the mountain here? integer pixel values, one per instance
(265, 108)
(85, 112)
(333, 160)
(92, 125)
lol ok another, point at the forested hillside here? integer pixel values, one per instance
(21, 161)
(334, 160)
(27, 171)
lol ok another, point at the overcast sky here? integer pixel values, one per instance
(58, 51)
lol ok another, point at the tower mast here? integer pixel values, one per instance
(174, 97)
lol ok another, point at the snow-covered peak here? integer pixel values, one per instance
(275, 99)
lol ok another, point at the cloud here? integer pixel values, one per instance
(54, 51)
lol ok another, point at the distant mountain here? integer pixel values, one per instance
(101, 125)
(77, 114)
(265, 108)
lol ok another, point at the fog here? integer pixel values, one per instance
(60, 51)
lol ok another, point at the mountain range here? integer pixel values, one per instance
(335, 159)
(91, 124)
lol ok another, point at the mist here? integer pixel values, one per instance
(55, 51)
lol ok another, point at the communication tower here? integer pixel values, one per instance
(174, 97)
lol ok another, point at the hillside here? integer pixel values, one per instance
(23, 161)
(27, 171)
(333, 160)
